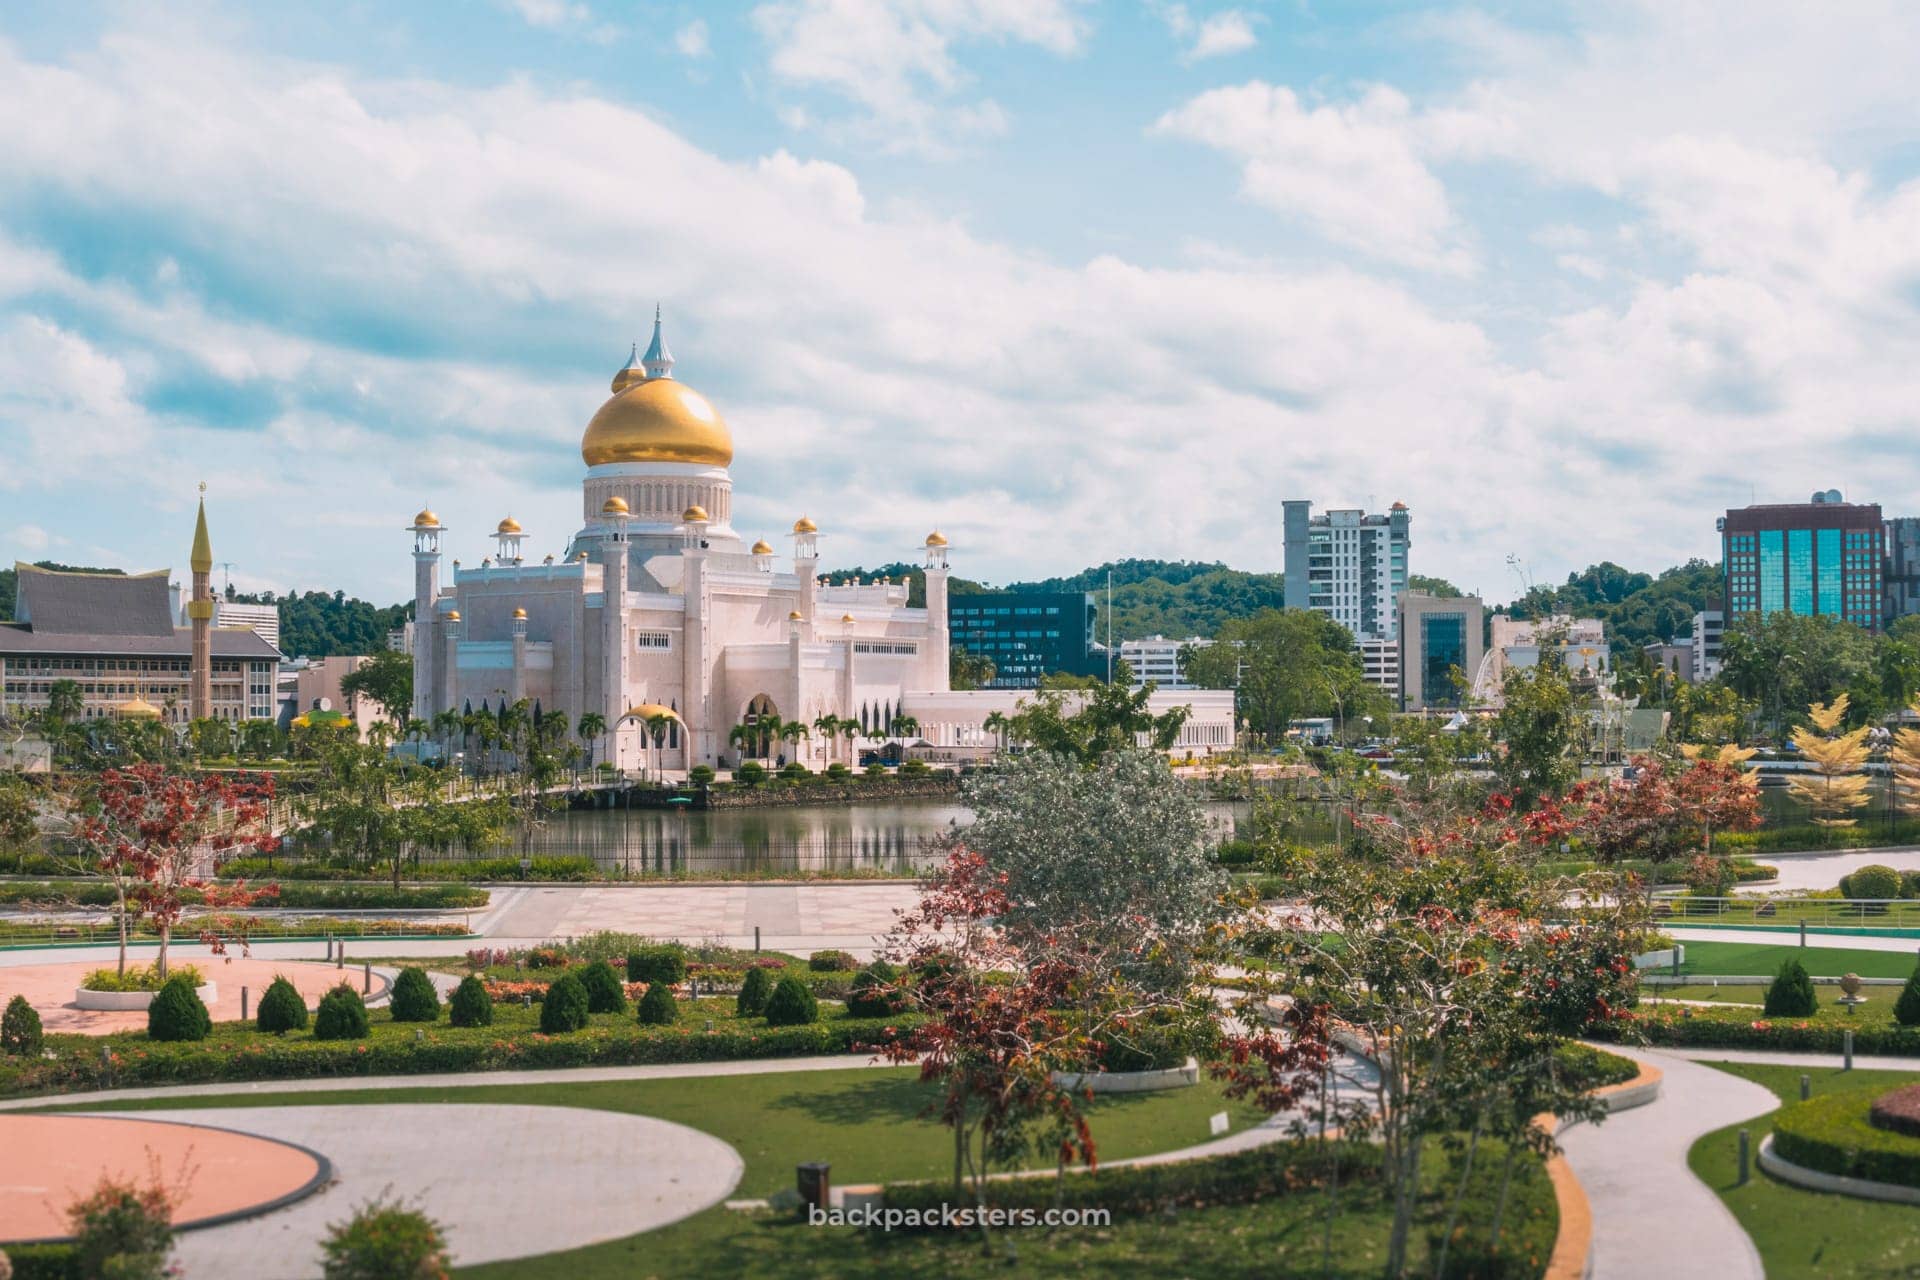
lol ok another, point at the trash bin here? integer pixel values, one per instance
(815, 1184)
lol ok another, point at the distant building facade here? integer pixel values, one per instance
(1674, 658)
(313, 684)
(1580, 644)
(1824, 557)
(1351, 566)
(1157, 659)
(1902, 568)
(1437, 635)
(1028, 634)
(115, 636)
(1709, 643)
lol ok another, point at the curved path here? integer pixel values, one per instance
(1651, 1216)
(504, 1181)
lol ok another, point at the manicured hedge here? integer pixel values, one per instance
(44, 1262)
(567, 867)
(343, 897)
(1594, 1068)
(1242, 1177)
(1703, 1030)
(1833, 1135)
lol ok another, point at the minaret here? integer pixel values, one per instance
(200, 617)
(938, 636)
(658, 362)
(426, 530)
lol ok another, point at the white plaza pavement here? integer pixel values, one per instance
(1804, 872)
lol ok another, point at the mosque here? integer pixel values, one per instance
(659, 610)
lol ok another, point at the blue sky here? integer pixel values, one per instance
(1069, 279)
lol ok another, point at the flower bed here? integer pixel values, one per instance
(142, 977)
(1836, 1135)
(235, 1053)
(1687, 1027)
(1898, 1111)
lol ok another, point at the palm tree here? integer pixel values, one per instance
(592, 725)
(827, 725)
(791, 731)
(904, 727)
(850, 729)
(445, 723)
(743, 736)
(997, 724)
(657, 726)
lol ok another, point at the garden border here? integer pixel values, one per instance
(1799, 1175)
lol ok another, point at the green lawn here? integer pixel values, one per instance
(868, 1124)
(1879, 1000)
(1806, 1235)
(1706, 959)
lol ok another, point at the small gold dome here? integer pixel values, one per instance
(761, 548)
(695, 514)
(614, 506)
(426, 519)
(936, 539)
(520, 615)
(657, 420)
(137, 708)
(509, 525)
(794, 616)
(580, 557)
(453, 615)
(650, 710)
(847, 618)
(804, 525)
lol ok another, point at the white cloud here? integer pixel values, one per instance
(1227, 32)
(691, 40)
(1351, 171)
(895, 60)
(551, 13)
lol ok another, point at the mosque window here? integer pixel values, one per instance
(657, 640)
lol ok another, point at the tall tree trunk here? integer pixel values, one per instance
(121, 915)
(1459, 1194)
(1500, 1205)
(166, 936)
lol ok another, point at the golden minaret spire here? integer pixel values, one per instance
(200, 617)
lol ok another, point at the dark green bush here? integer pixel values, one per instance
(794, 771)
(45, 1262)
(1834, 1135)
(281, 1008)
(916, 768)
(605, 994)
(1586, 1067)
(700, 775)
(1871, 881)
(414, 999)
(751, 773)
(755, 989)
(657, 1008)
(831, 961)
(838, 771)
(20, 1033)
(1791, 995)
(177, 1013)
(666, 963)
(874, 994)
(791, 1004)
(1910, 884)
(384, 1240)
(123, 1231)
(342, 1015)
(1906, 1009)
(565, 1008)
(875, 770)
(470, 1005)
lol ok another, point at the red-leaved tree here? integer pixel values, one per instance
(156, 833)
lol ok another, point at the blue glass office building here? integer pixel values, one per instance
(1823, 557)
(1027, 634)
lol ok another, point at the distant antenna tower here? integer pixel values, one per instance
(1523, 573)
(226, 567)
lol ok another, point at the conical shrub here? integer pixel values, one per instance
(604, 992)
(177, 1013)
(470, 1006)
(281, 1009)
(754, 990)
(657, 1007)
(1791, 995)
(342, 1015)
(414, 999)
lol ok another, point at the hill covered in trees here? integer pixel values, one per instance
(316, 624)
(1638, 608)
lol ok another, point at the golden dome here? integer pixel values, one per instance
(936, 539)
(137, 708)
(695, 514)
(520, 614)
(426, 519)
(614, 506)
(657, 420)
(761, 548)
(649, 710)
(453, 615)
(794, 616)
(804, 525)
(847, 618)
(509, 525)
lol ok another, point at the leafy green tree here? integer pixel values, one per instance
(1786, 662)
(1286, 665)
(1540, 728)
(590, 728)
(19, 815)
(386, 677)
(969, 670)
(1085, 726)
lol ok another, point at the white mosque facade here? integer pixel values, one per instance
(659, 608)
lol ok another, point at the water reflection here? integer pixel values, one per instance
(889, 838)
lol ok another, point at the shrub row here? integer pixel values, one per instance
(1242, 1177)
(1701, 1030)
(626, 1044)
(343, 897)
(1833, 1135)
(545, 867)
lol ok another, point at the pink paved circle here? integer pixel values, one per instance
(48, 1162)
(49, 988)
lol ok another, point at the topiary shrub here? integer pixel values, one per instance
(1791, 995)
(565, 1008)
(792, 1005)
(1872, 881)
(1910, 884)
(795, 772)
(700, 775)
(604, 992)
(342, 1015)
(838, 771)
(751, 772)
(1906, 1010)
(875, 770)
(666, 963)
(831, 961)
(281, 1008)
(384, 1240)
(414, 999)
(20, 1031)
(470, 1005)
(755, 989)
(874, 994)
(657, 1008)
(177, 1013)
(916, 768)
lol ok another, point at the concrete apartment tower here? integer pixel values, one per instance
(200, 617)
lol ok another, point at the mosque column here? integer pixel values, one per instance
(426, 589)
(613, 616)
(517, 690)
(450, 664)
(935, 669)
(697, 709)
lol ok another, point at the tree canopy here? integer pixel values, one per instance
(1287, 664)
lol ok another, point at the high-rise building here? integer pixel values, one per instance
(1709, 633)
(1903, 568)
(1157, 658)
(1027, 634)
(1351, 566)
(1823, 557)
(1437, 636)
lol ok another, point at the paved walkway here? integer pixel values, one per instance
(1800, 872)
(1651, 1216)
(1791, 938)
(503, 1181)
